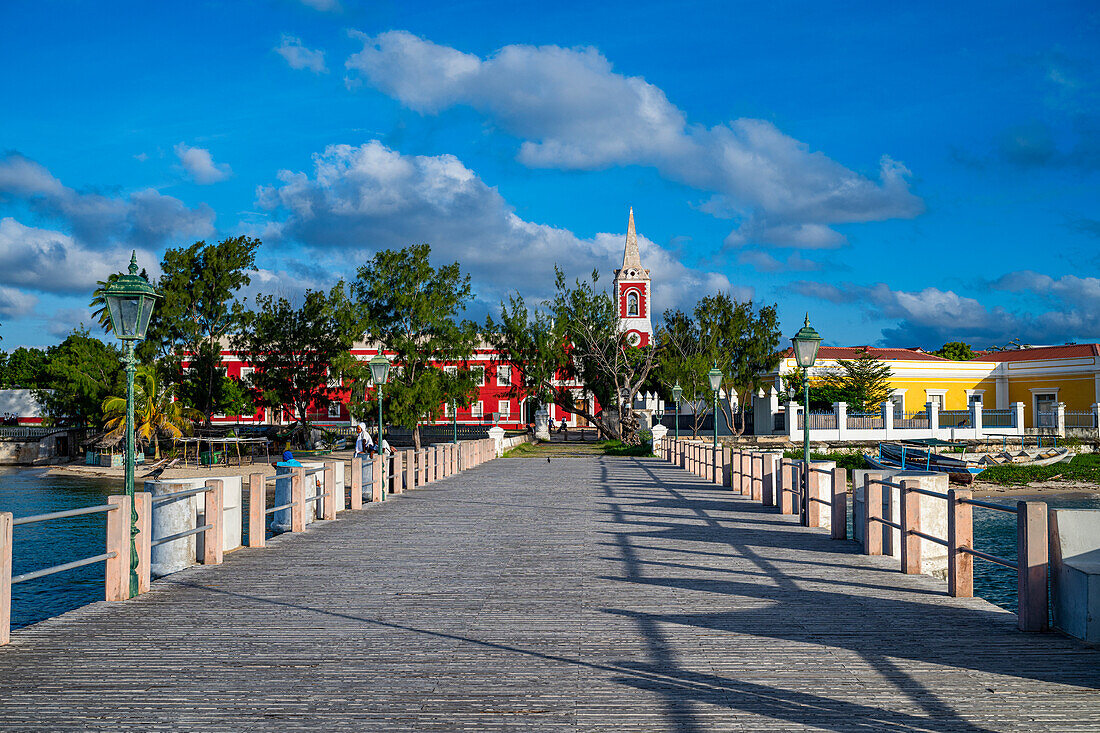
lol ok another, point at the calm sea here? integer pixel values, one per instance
(30, 491)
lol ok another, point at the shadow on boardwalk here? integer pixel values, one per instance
(584, 594)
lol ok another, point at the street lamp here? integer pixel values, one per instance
(677, 391)
(806, 343)
(379, 374)
(454, 418)
(715, 377)
(130, 301)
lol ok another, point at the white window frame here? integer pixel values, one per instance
(504, 375)
(972, 393)
(246, 372)
(633, 294)
(451, 370)
(447, 410)
(931, 394)
(479, 370)
(477, 409)
(504, 407)
(334, 404)
(897, 399)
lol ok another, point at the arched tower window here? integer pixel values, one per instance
(632, 304)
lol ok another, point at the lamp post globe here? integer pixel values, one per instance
(130, 300)
(379, 374)
(677, 392)
(714, 376)
(806, 343)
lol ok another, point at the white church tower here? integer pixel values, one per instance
(633, 292)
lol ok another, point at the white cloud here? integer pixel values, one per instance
(325, 6)
(766, 262)
(574, 112)
(200, 165)
(366, 198)
(15, 303)
(142, 219)
(300, 57)
(932, 316)
(49, 261)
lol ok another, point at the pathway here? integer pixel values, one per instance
(581, 594)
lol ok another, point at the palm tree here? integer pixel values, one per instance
(156, 411)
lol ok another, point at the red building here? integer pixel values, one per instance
(632, 289)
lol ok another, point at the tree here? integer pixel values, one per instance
(199, 310)
(684, 358)
(411, 310)
(156, 413)
(576, 339)
(79, 373)
(956, 351)
(24, 369)
(291, 350)
(865, 382)
(826, 387)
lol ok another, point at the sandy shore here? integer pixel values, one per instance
(983, 488)
(186, 471)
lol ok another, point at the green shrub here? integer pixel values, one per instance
(1083, 467)
(618, 448)
(848, 459)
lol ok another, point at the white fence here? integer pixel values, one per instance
(931, 422)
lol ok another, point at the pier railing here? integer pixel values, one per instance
(371, 478)
(819, 498)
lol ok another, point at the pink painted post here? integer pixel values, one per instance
(960, 538)
(398, 473)
(379, 484)
(769, 480)
(872, 504)
(298, 499)
(212, 538)
(838, 519)
(1031, 559)
(5, 577)
(329, 502)
(408, 458)
(813, 489)
(341, 500)
(117, 574)
(910, 523)
(257, 506)
(786, 498)
(357, 482)
(756, 476)
(144, 502)
(744, 466)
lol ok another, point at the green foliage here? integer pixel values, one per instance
(522, 450)
(739, 339)
(412, 310)
(850, 459)
(865, 382)
(956, 351)
(825, 389)
(200, 308)
(291, 349)
(79, 374)
(1084, 467)
(156, 413)
(534, 348)
(23, 368)
(619, 448)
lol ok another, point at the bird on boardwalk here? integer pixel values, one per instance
(547, 459)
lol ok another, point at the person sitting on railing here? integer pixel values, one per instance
(363, 441)
(289, 459)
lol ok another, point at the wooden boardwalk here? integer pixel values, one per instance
(581, 594)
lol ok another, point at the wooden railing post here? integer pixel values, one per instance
(297, 497)
(144, 502)
(872, 504)
(257, 507)
(116, 575)
(378, 474)
(5, 577)
(329, 479)
(960, 537)
(838, 518)
(212, 538)
(910, 523)
(357, 482)
(814, 492)
(1031, 558)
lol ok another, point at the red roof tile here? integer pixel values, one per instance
(1042, 352)
(853, 352)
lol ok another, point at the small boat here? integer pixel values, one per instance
(920, 456)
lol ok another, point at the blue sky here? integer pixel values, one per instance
(909, 176)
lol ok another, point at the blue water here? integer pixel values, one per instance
(31, 491)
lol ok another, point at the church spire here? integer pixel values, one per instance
(631, 258)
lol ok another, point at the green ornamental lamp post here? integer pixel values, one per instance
(454, 419)
(715, 377)
(806, 343)
(130, 301)
(677, 392)
(379, 374)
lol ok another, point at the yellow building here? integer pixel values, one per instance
(1041, 378)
